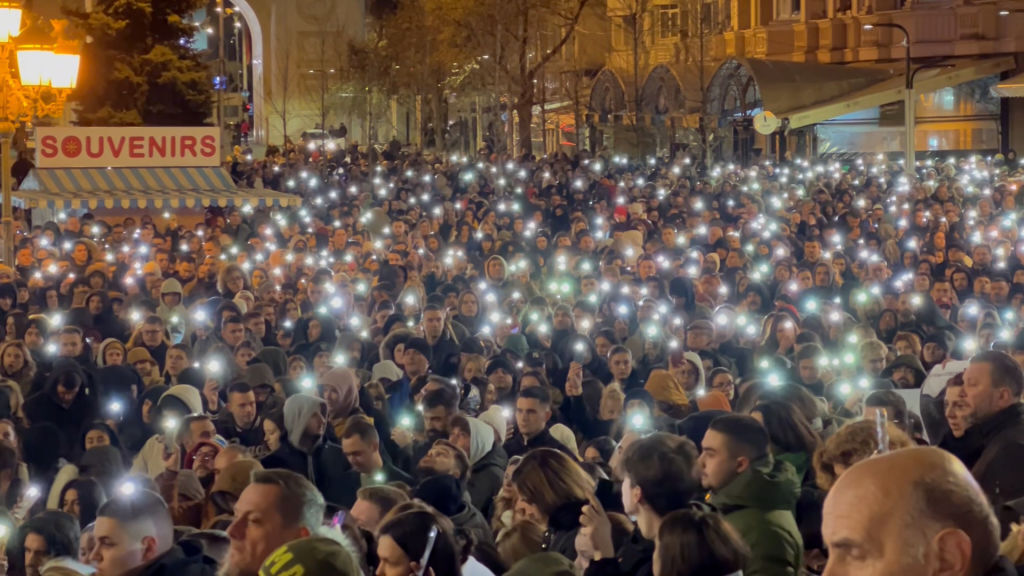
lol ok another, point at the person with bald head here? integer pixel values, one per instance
(991, 402)
(913, 512)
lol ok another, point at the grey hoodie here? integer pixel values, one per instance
(298, 409)
(481, 440)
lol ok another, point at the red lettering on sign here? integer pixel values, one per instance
(188, 145)
(48, 146)
(158, 146)
(209, 146)
(116, 146)
(136, 147)
(93, 147)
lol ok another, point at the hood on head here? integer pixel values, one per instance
(481, 439)
(185, 394)
(298, 409)
(100, 356)
(275, 358)
(495, 418)
(170, 286)
(346, 384)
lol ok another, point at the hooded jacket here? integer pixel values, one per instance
(150, 459)
(906, 361)
(276, 359)
(344, 383)
(45, 406)
(488, 460)
(759, 504)
(324, 464)
(175, 317)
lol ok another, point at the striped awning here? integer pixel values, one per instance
(92, 188)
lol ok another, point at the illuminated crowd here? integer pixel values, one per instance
(548, 366)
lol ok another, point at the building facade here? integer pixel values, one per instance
(695, 73)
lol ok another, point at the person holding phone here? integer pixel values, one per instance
(416, 543)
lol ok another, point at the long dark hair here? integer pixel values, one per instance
(409, 530)
(696, 543)
(787, 428)
(90, 497)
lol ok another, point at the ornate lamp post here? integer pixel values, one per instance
(46, 74)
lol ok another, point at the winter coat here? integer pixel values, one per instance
(185, 559)
(759, 504)
(150, 459)
(1002, 436)
(634, 558)
(176, 317)
(226, 427)
(488, 467)
(324, 464)
(518, 446)
(352, 481)
(45, 406)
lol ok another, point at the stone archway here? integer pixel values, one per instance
(607, 96)
(662, 94)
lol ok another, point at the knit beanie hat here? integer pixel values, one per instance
(315, 555)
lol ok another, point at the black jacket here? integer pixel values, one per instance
(1002, 436)
(45, 406)
(486, 478)
(634, 558)
(518, 446)
(325, 466)
(226, 427)
(186, 559)
(351, 482)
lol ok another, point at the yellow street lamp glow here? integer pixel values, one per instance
(10, 20)
(48, 68)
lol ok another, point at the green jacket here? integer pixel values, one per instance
(759, 504)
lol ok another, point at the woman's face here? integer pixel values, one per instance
(13, 360)
(313, 332)
(291, 311)
(393, 560)
(244, 356)
(526, 510)
(85, 546)
(8, 435)
(70, 503)
(10, 328)
(271, 434)
(94, 438)
(468, 305)
(234, 282)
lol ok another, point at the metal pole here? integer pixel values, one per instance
(8, 210)
(909, 106)
(220, 66)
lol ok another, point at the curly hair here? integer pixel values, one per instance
(851, 444)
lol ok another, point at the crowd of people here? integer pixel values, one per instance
(584, 365)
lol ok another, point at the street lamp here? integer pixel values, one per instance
(41, 65)
(909, 108)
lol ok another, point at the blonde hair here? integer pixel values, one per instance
(852, 443)
(472, 360)
(523, 538)
(548, 479)
(612, 399)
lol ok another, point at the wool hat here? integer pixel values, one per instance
(317, 555)
(139, 354)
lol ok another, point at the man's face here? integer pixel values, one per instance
(620, 365)
(440, 460)
(933, 353)
(436, 419)
(433, 324)
(361, 455)
(531, 416)
(868, 536)
(233, 334)
(67, 395)
(500, 379)
(177, 361)
(117, 551)
(698, 340)
(243, 407)
(415, 363)
(717, 467)
(316, 425)
(366, 514)
(904, 377)
(152, 335)
(70, 345)
(186, 270)
(874, 363)
(257, 326)
(257, 530)
(979, 397)
(36, 553)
